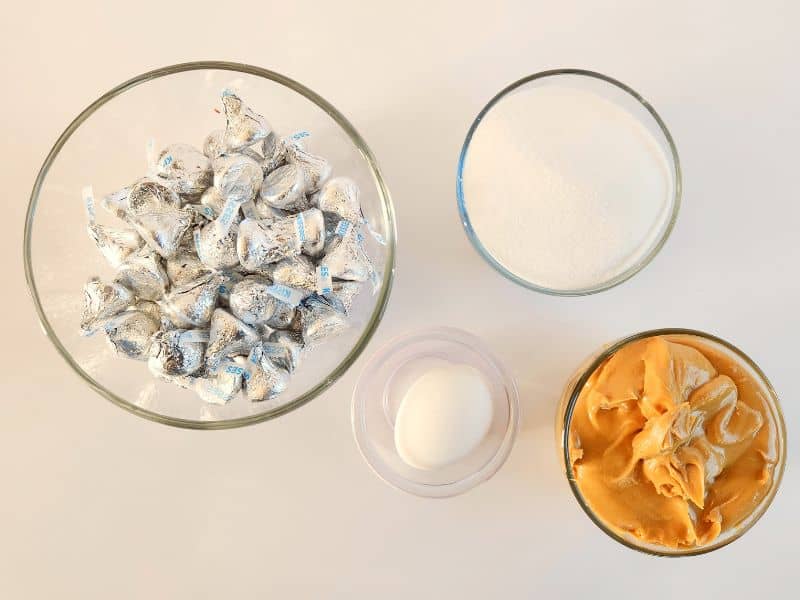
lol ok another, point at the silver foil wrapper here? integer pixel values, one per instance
(102, 301)
(186, 198)
(214, 145)
(249, 210)
(284, 316)
(285, 188)
(185, 267)
(265, 212)
(237, 177)
(263, 242)
(153, 210)
(343, 295)
(297, 272)
(228, 279)
(228, 336)
(187, 242)
(320, 320)
(147, 195)
(254, 383)
(251, 153)
(274, 150)
(264, 330)
(200, 216)
(115, 243)
(130, 333)
(186, 382)
(313, 242)
(177, 352)
(193, 304)
(216, 245)
(286, 349)
(346, 258)
(163, 230)
(188, 169)
(222, 386)
(116, 203)
(213, 201)
(266, 380)
(317, 169)
(245, 127)
(251, 302)
(149, 308)
(142, 272)
(166, 322)
(339, 196)
(334, 226)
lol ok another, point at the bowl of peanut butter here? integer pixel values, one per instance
(673, 441)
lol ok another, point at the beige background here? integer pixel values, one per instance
(96, 503)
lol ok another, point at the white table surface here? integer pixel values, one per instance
(97, 503)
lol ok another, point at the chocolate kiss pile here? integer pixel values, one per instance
(231, 262)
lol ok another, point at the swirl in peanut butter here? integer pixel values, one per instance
(673, 442)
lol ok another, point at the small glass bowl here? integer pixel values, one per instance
(382, 386)
(613, 91)
(564, 419)
(105, 146)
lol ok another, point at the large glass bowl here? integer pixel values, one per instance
(105, 146)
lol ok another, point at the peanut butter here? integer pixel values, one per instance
(673, 441)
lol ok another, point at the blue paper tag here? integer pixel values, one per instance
(254, 356)
(300, 226)
(272, 349)
(88, 201)
(290, 296)
(342, 227)
(237, 370)
(324, 280)
(228, 212)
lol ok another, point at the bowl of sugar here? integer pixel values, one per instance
(434, 413)
(568, 182)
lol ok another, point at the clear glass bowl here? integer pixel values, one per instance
(748, 367)
(382, 386)
(105, 146)
(613, 91)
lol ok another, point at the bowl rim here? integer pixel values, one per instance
(628, 273)
(387, 209)
(564, 422)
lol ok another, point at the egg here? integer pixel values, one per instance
(443, 417)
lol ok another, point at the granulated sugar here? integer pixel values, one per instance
(565, 188)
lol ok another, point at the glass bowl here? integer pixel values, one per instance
(745, 366)
(105, 146)
(620, 95)
(382, 386)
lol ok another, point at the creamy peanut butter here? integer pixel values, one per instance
(673, 442)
